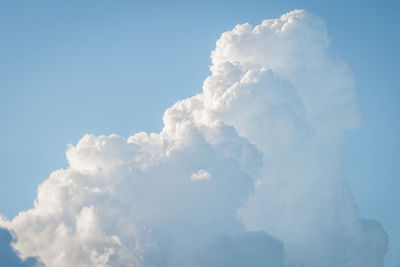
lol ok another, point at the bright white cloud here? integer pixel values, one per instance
(266, 133)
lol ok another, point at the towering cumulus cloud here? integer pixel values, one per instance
(247, 173)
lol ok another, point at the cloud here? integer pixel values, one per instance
(255, 249)
(248, 172)
(200, 175)
(9, 257)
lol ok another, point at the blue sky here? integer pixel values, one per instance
(102, 67)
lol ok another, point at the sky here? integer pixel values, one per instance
(102, 67)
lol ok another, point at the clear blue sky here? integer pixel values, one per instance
(74, 67)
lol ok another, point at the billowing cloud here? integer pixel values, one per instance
(247, 173)
(9, 257)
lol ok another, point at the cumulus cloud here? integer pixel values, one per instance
(9, 257)
(248, 172)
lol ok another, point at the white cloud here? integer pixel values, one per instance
(200, 175)
(268, 126)
(9, 257)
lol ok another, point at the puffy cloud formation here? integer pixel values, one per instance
(247, 173)
(9, 257)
